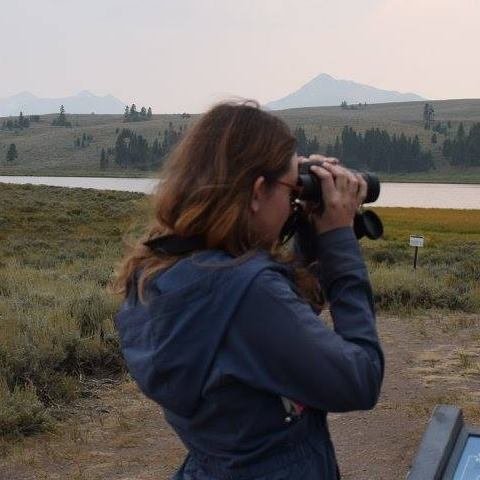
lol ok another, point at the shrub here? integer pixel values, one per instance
(90, 312)
(21, 412)
(401, 289)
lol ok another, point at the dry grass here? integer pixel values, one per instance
(448, 272)
(57, 249)
(57, 252)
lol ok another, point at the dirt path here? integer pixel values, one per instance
(380, 444)
(119, 434)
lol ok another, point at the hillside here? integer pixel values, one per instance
(47, 150)
(324, 90)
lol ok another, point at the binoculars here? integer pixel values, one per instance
(366, 222)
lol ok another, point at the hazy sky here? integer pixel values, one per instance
(183, 55)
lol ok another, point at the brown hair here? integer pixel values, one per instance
(207, 184)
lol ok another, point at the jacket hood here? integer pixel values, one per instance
(170, 342)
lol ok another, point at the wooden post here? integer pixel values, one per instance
(415, 259)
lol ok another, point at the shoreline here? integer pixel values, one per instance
(138, 176)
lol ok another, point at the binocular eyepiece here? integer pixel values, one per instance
(366, 223)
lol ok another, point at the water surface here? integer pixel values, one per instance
(422, 195)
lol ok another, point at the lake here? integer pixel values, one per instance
(422, 195)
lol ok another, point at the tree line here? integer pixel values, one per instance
(83, 141)
(19, 123)
(464, 149)
(133, 150)
(24, 121)
(374, 150)
(305, 146)
(354, 106)
(133, 115)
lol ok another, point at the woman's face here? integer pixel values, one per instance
(271, 205)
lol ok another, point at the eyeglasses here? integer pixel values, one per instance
(295, 190)
(290, 227)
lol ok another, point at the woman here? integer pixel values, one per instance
(216, 326)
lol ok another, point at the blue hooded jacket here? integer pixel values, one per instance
(221, 344)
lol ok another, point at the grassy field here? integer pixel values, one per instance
(448, 267)
(58, 248)
(47, 150)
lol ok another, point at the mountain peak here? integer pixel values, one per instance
(24, 95)
(85, 93)
(325, 90)
(324, 76)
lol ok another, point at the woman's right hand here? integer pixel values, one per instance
(342, 191)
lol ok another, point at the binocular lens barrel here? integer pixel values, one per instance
(312, 189)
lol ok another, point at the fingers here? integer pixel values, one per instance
(326, 178)
(343, 191)
(345, 181)
(318, 158)
(362, 190)
(323, 158)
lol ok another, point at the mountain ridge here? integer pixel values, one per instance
(83, 102)
(327, 91)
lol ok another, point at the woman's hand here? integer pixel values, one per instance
(343, 192)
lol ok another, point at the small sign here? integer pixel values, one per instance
(416, 241)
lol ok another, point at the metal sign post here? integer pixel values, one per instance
(416, 241)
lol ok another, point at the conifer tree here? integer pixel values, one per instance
(337, 149)
(133, 150)
(473, 146)
(301, 141)
(428, 115)
(103, 160)
(21, 119)
(61, 120)
(464, 150)
(61, 116)
(12, 153)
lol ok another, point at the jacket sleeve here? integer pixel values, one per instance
(280, 345)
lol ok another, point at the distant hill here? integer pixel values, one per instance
(44, 149)
(83, 102)
(325, 90)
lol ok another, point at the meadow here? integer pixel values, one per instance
(47, 150)
(58, 250)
